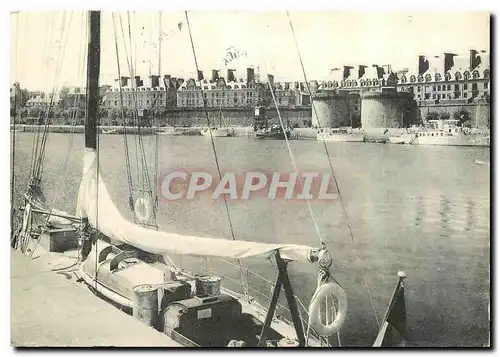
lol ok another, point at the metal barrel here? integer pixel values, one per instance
(145, 300)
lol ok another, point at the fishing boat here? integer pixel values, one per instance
(449, 133)
(340, 134)
(217, 132)
(274, 132)
(109, 131)
(405, 137)
(169, 131)
(129, 263)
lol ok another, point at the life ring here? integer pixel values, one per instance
(314, 309)
(143, 209)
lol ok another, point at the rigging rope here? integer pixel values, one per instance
(74, 117)
(12, 172)
(60, 58)
(332, 170)
(144, 182)
(214, 150)
(134, 113)
(271, 89)
(125, 139)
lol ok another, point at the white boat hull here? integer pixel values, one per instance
(216, 133)
(463, 140)
(341, 138)
(403, 139)
(114, 286)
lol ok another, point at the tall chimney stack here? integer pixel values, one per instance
(250, 75)
(215, 75)
(123, 81)
(166, 80)
(155, 82)
(230, 76)
(138, 82)
(271, 80)
(475, 60)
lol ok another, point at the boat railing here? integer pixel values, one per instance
(250, 293)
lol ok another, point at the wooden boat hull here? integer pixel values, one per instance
(119, 271)
(217, 133)
(342, 138)
(462, 140)
(273, 136)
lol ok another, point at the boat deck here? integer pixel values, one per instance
(52, 309)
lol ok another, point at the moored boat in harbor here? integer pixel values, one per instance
(274, 132)
(217, 132)
(340, 134)
(449, 133)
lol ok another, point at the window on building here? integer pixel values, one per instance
(465, 85)
(419, 89)
(485, 85)
(448, 87)
(434, 88)
(465, 95)
(434, 96)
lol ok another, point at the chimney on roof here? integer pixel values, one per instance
(215, 75)
(138, 82)
(475, 60)
(449, 61)
(250, 75)
(155, 81)
(166, 80)
(123, 81)
(230, 75)
(271, 80)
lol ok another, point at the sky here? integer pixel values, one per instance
(48, 48)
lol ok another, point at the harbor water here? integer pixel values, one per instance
(424, 210)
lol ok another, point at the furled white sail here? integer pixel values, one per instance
(95, 203)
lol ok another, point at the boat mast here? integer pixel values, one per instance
(93, 68)
(92, 101)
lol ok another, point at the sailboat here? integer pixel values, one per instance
(129, 265)
(222, 130)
